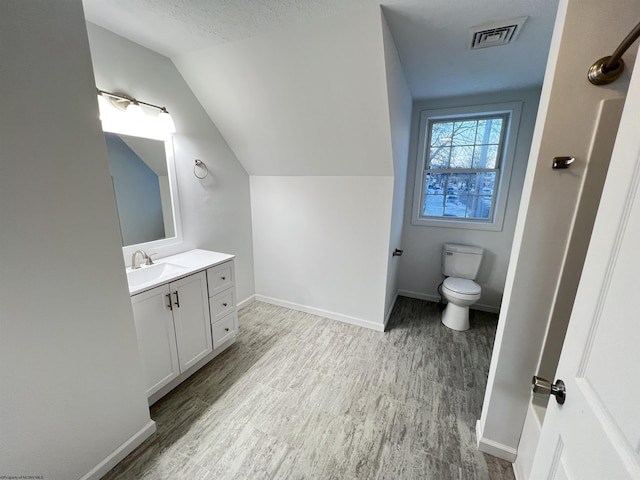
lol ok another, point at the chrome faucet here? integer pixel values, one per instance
(135, 261)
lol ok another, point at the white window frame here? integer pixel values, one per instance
(495, 223)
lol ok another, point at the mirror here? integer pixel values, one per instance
(142, 175)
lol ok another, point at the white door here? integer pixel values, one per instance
(156, 337)
(191, 319)
(596, 433)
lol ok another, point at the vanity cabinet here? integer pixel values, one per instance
(185, 313)
(173, 328)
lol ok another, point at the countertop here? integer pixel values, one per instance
(192, 261)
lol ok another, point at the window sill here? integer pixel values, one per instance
(443, 223)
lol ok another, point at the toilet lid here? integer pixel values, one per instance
(462, 285)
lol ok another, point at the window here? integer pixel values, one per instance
(464, 166)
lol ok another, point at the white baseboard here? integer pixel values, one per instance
(122, 451)
(322, 313)
(246, 302)
(419, 295)
(388, 316)
(436, 298)
(494, 448)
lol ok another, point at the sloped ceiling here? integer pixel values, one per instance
(306, 101)
(432, 36)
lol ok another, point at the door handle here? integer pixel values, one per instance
(544, 387)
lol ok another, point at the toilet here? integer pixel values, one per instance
(460, 264)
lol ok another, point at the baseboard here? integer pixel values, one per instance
(246, 302)
(390, 311)
(122, 451)
(322, 313)
(419, 295)
(436, 298)
(494, 448)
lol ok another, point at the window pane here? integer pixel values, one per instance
(489, 131)
(464, 133)
(485, 156)
(461, 157)
(482, 133)
(496, 130)
(435, 183)
(479, 207)
(486, 182)
(441, 133)
(433, 205)
(439, 157)
(466, 183)
(454, 207)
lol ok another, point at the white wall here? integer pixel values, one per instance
(306, 110)
(306, 100)
(566, 120)
(420, 271)
(321, 244)
(216, 212)
(72, 384)
(400, 101)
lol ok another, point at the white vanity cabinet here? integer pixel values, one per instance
(184, 309)
(173, 328)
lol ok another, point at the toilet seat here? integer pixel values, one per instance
(461, 286)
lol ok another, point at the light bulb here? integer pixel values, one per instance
(166, 122)
(134, 111)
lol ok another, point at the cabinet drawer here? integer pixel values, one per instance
(222, 304)
(224, 329)
(220, 278)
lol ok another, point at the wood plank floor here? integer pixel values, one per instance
(300, 396)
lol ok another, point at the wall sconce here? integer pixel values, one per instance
(132, 107)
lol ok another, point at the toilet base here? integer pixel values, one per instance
(456, 317)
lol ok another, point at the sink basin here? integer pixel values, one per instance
(153, 273)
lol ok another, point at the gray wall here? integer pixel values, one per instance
(400, 101)
(72, 385)
(420, 271)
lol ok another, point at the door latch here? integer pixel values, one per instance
(544, 387)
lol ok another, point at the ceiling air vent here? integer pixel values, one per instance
(496, 33)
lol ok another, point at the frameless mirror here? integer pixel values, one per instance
(142, 174)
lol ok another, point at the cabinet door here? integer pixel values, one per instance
(191, 319)
(156, 337)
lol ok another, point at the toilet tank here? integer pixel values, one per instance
(462, 261)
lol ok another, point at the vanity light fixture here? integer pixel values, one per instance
(132, 107)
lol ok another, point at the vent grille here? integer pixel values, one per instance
(496, 33)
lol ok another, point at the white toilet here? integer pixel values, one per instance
(460, 264)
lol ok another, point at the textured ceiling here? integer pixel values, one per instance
(432, 36)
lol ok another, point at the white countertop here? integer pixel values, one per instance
(192, 261)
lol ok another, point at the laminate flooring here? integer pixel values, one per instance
(302, 397)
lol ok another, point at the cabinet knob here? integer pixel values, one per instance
(226, 329)
(224, 304)
(223, 278)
